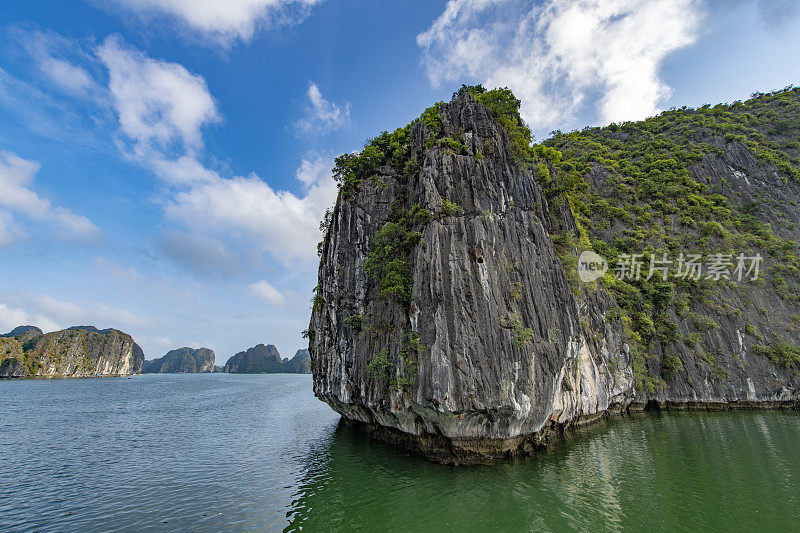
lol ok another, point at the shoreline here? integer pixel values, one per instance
(478, 451)
(61, 376)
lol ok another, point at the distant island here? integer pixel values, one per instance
(21, 330)
(260, 359)
(182, 361)
(79, 351)
(85, 351)
(265, 359)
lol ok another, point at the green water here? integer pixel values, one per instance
(259, 453)
(733, 471)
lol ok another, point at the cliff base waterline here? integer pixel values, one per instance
(483, 451)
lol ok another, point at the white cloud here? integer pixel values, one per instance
(51, 115)
(63, 311)
(314, 168)
(162, 344)
(322, 116)
(57, 58)
(9, 230)
(52, 314)
(279, 222)
(225, 22)
(262, 290)
(161, 106)
(70, 77)
(16, 176)
(556, 55)
(11, 317)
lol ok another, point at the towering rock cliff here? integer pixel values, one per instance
(182, 361)
(81, 351)
(450, 316)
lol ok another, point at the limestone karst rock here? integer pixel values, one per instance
(80, 351)
(448, 317)
(266, 359)
(182, 361)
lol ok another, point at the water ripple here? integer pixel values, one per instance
(241, 453)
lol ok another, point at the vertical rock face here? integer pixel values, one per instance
(482, 347)
(182, 361)
(76, 352)
(500, 352)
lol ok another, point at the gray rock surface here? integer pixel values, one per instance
(509, 355)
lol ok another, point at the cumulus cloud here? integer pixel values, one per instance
(11, 317)
(314, 168)
(224, 22)
(70, 77)
(157, 345)
(279, 222)
(161, 106)
(118, 316)
(162, 109)
(9, 230)
(557, 55)
(16, 196)
(60, 309)
(322, 116)
(46, 115)
(262, 290)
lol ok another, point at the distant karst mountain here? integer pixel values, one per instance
(80, 351)
(300, 363)
(266, 359)
(182, 361)
(20, 330)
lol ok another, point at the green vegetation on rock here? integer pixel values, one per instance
(76, 351)
(393, 149)
(652, 201)
(780, 353)
(389, 261)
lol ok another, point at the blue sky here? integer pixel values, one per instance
(164, 163)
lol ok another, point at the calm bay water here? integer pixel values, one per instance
(227, 452)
